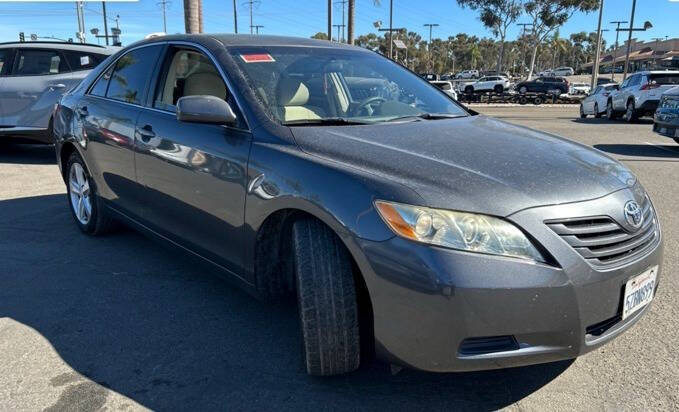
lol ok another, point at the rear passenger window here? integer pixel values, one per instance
(83, 60)
(4, 57)
(31, 62)
(131, 73)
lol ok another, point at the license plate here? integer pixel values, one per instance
(639, 291)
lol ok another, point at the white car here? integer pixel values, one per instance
(579, 89)
(640, 93)
(595, 103)
(563, 71)
(467, 74)
(546, 73)
(446, 87)
(497, 84)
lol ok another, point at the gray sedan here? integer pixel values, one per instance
(405, 225)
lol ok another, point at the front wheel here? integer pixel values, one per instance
(597, 113)
(610, 113)
(326, 297)
(630, 114)
(498, 88)
(87, 210)
(582, 112)
(469, 90)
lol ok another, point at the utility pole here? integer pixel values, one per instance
(257, 27)
(163, 4)
(192, 16)
(103, 8)
(251, 24)
(391, 29)
(235, 18)
(629, 39)
(330, 20)
(595, 67)
(655, 49)
(615, 51)
(339, 26)
(342, 3)
(431, 26)
(351, 27)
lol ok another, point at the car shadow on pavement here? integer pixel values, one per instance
(641, 150)
(155, 327)
(37, 154)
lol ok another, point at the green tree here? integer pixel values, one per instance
(320, 36)
(548, 15)
(497, 15)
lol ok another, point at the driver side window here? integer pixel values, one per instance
(188, 73)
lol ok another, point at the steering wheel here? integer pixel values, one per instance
(366, 103)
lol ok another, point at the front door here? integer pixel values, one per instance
(37, 80)
(193, 175)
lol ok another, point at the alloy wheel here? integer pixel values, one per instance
(79, 191)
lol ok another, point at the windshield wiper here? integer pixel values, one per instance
(428, 116)
(328, 121)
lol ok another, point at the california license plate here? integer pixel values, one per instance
(639, 291)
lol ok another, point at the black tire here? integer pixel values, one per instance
(610, 113)
(537, 101)
(100, 221)
(582, 112)
(326, 297)
(469, 90)
(597, 113)
(631, 115)
(498, 88)
(523, 100)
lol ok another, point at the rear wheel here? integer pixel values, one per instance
(631, 115)
(537, 101)
(597, 113)
(326, 296)
(498, 88)
(610, 113)
(469, 90)
(86, 207)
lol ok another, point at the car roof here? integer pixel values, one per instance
(93, 48)
(657, 72)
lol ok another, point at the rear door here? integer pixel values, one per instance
(37, 80)
(194, 175)
(5, 63)
(108, 114)
(620, 98)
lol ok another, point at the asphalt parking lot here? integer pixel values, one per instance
(121, 323)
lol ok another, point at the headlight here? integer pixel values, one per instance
(669, 102)
(458, 230)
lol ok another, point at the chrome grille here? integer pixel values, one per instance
(603, 242)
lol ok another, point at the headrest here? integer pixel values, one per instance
(292, 92)
(204, 83)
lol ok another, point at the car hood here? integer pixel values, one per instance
(474, 163)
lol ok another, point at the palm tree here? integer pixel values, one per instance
(192, 16)
(350, 22)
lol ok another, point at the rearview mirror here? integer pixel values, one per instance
(205, 109)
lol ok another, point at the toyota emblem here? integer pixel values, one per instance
(633, 214)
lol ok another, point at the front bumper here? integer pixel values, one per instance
(429, 303)
(666, 122)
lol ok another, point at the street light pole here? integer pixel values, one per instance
(595, 71)
(391, 29)
(431, 26)
(629, 39)
(329, 20)
(615, 51)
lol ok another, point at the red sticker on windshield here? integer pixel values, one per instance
(257, 58)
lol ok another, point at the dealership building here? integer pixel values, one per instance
(662, 54)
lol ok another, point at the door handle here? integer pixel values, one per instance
(82, 111)
(53, 87)
(146, 132)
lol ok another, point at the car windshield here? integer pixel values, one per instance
(319, 85)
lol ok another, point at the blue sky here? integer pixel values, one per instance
(305, 17)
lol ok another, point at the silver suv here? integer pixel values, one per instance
(640, 93)
(33, 77)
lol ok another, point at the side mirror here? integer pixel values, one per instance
(205, 109)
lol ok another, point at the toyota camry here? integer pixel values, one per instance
(406, 225)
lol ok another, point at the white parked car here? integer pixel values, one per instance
(579, 89)
(496, 84)
(563, 71)
(640, 93)
(467, 74)
(595, 103)
(546, 73)
(446, 87)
